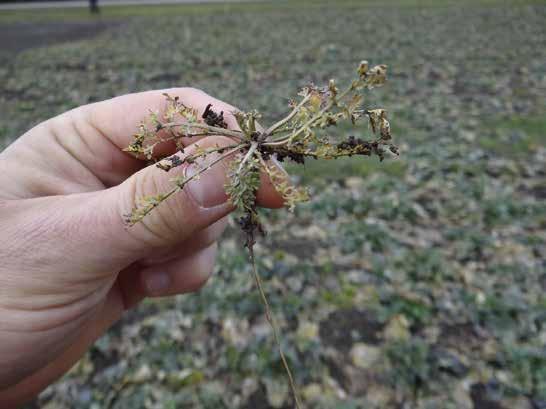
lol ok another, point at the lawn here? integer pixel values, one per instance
(418, 282)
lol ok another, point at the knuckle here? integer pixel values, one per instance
(192, 91)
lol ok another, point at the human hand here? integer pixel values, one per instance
(70, 267)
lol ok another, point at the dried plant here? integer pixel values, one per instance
(301, 134)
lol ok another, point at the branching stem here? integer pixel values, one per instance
(329, 105)
(248, 155)
(179, 185)
(286, 119)
(210, 129)
(210, 165)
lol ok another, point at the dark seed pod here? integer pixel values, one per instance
(174, 162)
(212, 118)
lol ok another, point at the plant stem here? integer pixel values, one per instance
(273, 325)
(280, 123)
(210, 129)
(248, 155)
(216, 149)
(209, 151)
(210, 165)
(329, 105)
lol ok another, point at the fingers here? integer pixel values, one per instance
(139, 280)
(111, 125)
(180, 275)
(118, 118)
(81, 150)
(198, 241)
(267, 195)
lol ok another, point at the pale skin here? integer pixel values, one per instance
(70, 267)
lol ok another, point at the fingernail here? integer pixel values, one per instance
(208, 188)
(157, 282)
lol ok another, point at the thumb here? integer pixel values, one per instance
(86, 232)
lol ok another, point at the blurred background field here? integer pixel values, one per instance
(415, 283)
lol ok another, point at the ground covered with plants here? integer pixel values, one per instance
(419, 282)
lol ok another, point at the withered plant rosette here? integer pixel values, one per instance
(302, 134)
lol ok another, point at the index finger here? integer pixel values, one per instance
(118, 118)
